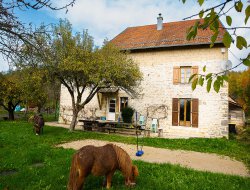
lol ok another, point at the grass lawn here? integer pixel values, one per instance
(39, 165)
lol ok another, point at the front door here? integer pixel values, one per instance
(111, 109)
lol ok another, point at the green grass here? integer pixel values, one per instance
(20, 149)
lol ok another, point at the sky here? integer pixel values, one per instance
(107, 18)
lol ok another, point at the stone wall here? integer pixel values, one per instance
(157, 89)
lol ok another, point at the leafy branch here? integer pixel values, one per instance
(210, 19)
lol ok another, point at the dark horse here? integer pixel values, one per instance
(38, 123)
(101, 161)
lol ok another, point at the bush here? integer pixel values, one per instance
(244, 136)
(127, 114)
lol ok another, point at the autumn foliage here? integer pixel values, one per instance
(239, 88)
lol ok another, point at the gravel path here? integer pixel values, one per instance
(190, 159)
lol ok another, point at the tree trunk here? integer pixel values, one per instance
(11, 115)
(11, 111)
(26, 109)
(74, 121)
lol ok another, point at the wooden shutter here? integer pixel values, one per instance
(176, 75)
(195, 70)
(175, 112)
(195, 112)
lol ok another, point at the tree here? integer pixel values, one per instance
(35, 86)
(211, 17)
(13, 32)
(84, 69)
(239, 88)
(11, 93)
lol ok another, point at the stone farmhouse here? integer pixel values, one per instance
(167, 60)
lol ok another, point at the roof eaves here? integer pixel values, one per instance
(165, 46)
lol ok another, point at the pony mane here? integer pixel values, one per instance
(124, 160)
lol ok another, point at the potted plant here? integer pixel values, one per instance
(127, 114)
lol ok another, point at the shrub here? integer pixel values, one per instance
(127, 114)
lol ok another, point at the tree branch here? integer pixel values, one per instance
(222, 4)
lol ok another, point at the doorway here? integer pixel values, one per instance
(111, 109)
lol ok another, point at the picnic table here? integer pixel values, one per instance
(111, 126)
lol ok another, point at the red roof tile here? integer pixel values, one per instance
(172, 34)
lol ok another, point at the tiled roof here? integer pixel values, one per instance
(172, 34)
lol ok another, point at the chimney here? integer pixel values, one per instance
(159, 22)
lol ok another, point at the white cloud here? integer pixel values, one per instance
(4, 66)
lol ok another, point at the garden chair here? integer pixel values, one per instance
(154, 125)
(142, 122)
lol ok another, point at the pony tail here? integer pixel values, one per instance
(73, 174)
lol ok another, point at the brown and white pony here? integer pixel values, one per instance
(101, 161)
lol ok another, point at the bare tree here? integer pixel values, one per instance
(14, 33)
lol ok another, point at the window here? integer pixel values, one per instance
(183, 73)
(185, 112)
(123, 102)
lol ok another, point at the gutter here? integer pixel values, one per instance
(166, 46)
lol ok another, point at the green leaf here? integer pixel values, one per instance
(201, 81)
(192, 76)
(201, 2)
(217, 85)
(201, 13)
(216, 25)
(209, 82)
(213, 38)
(183, 1)
(194, 83)
(247, 13)
(241, 42)
(204, 68)
(246, 62)
(195, 29)
(229, 20)
(208, 76)
(225, 77)
(227, 40)
(190, 35)
(238, 6)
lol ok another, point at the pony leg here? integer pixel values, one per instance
(109, 179)
(76, 176)
(80, 182)
(104, 183)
